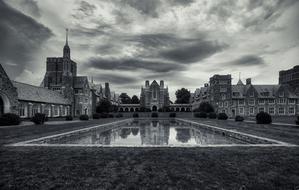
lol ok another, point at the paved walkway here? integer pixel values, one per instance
(275, 123)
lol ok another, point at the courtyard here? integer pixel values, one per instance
(227, 167)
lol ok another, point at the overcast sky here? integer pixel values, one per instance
(126, 42)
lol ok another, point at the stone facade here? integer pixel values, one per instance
(247, 99)
(61, 76)
(290, 77)
(154, 96)
(8, 94)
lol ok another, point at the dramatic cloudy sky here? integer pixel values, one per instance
(126, 42)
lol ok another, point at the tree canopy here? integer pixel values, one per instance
(205, 107)
(135, 100)
(182, 96)
(104, 106)
(125, 98)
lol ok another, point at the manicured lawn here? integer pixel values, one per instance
(147, 168)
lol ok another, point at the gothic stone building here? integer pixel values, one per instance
(61, 76)
(26, 100)
(248, 99)
(154, 96)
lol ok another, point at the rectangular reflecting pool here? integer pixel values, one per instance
(146, 132)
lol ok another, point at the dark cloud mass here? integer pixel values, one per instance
(116, 78)
(146, 7)
(133, 64)
(248, 60)
(21, 37)
(194, 52)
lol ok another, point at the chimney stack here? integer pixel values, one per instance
(146, 83)
(248, 81)
(161, 84)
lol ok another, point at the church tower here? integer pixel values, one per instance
(66, 48)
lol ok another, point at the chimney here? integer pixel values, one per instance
(248, 81)
(161, 84)
(146, 83)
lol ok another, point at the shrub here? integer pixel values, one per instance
(39, 118)
(96, 116)
(69, 118)
(204, 107)
(119, 115)
(263, 118)
(84, 117)
(239, 118)
(297, 121)
(222, 116)
(155, 114)
(212, 115)
(135, 115)
(201, 115)
(110, 115)
(160, 110)
(10, 119)
(172, 115)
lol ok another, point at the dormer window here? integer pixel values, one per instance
(281, 94)
(251, 94)
(265, 93)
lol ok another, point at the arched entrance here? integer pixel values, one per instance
(154, 108)
(1, 106)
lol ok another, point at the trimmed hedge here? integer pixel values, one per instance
(155, 115)
(239, 118)
(201, 115)
(135, 115)
(172, 114)
(222, 116)
(84, 117)
(39, 118)
(69, 118)
(263, 118)
(212, 115)
(9, 119)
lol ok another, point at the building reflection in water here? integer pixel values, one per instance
(145, 132)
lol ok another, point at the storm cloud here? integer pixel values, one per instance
(125, 42)
(21, 37)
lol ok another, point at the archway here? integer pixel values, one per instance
(121, 109)
(126, 109)
(1, 106)
(154, 108)
(131, 109)
(182, 109)
(177, 109)
(4, 104)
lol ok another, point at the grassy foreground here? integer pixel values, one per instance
(143, 168)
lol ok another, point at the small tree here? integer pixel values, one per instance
(125, 98)
(135, 100)
(205, 107)
(182, 96)
(263, 118)
(104, 106)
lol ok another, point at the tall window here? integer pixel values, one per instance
(271, 101)
(291, 110)
(241, 102)
(261, 101)
(261, 109)
(281, 111)
(22, 110)
(35, 109)
(251, 101)
(56, 110)
(292, 101)
(281, 101)
(271, 110)
(251, 110)
(241, 110)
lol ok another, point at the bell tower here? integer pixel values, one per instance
(66, 48)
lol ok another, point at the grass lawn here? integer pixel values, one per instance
(148, 168)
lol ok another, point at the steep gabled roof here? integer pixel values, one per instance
(38, 94)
